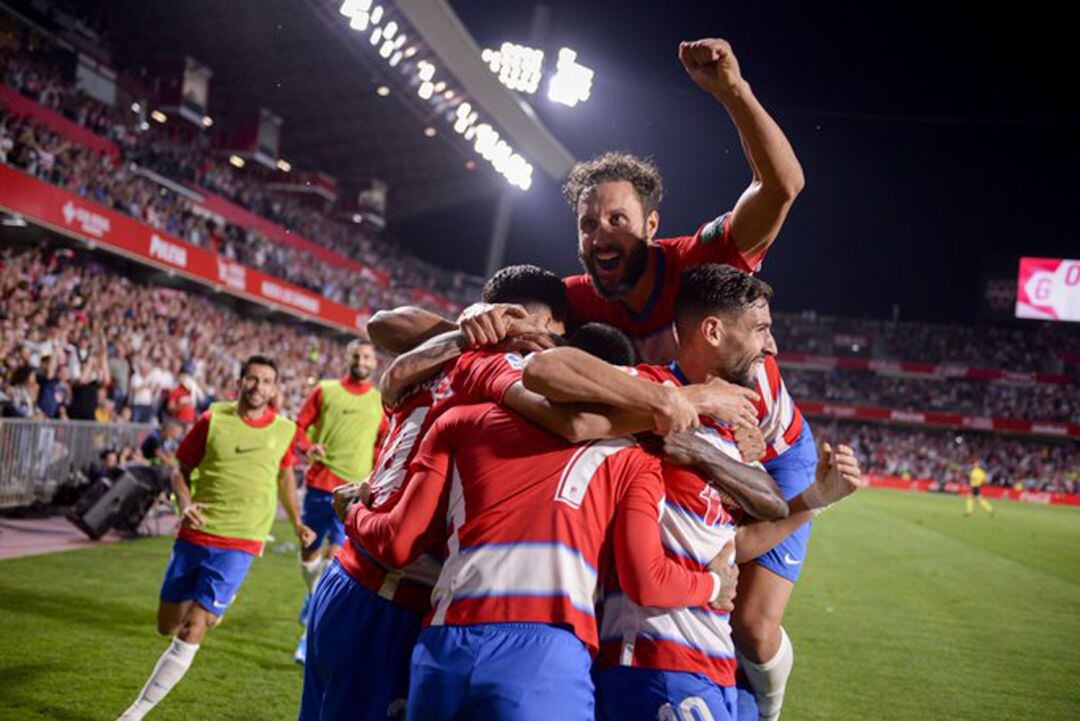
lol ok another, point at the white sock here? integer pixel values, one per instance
(769, 679)
(170, 668)
(311, 570)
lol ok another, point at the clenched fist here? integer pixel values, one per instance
(711, 64)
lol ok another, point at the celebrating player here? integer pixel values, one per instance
(234, 464)
(343, 418)
(723, 323)
(532, 523)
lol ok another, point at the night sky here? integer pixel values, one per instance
(934, 140)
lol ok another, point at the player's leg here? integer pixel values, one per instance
(970, 504)
(531, 672)
(345, 617)
(985, 505)
(765, 587)
(171, 615)
(318, 515)
(638, 693)
(205, 580)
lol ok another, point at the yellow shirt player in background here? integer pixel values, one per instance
(343, 418)
(976, 480)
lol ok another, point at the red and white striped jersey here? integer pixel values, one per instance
(474, 377)
(694, 528)
(779, 418)
(532, 523)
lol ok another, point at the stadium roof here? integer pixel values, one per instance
(301, 61)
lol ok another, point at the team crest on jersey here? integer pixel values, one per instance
(515, 361)
(713, 230)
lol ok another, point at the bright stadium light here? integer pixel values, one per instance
(350, 8)
(284, 165)
(376, 36)
(207, 121)
(395, 59)
(236, 161)
(359, 21)
(389, 29)
(572, 81)
(426, 90)
(159, 116)
(376, 15)
(518, 67)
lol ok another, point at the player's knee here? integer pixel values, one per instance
(167, 627)
(757, 633)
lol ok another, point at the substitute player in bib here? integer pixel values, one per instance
(532, 523)
(976, 479)
(234, 464)
(343, 418)
(724, 331)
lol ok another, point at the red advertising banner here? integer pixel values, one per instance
(943, 370)
(19, 104)
(927, 484)
(1048, 289)
(847, 411)
(75, 216)
(239, 215)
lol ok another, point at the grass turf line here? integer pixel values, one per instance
(905, 610)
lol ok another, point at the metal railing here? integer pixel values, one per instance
(38, 456)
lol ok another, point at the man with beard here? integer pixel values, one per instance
(724, 330)
(234, 463)
(343, 418)
(632, 278)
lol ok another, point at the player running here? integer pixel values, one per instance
(234, 464)
(532, 523)
(723, 321)
(342, 418)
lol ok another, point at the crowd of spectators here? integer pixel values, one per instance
(1034, 401)
(186, 157)
(947, 456)
(80, 340)
(1038, 347)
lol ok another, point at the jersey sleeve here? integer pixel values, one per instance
(309, 412)
(193, 446)
(646, 574)
(400, 535)
(775, 407)
(713, 243)
(480, 378)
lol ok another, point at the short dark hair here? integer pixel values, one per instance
(613, 166)
(359, 340)
(716, 288)
(527, 284)
(605, 342)
(258, 360)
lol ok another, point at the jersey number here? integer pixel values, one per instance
(691, 708)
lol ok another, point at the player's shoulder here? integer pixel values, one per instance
(654, 372)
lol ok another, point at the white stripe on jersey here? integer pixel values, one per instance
(684, 533)
(779, 412)
(393, 459)
(579, 472)
(695, 628)
(516, 569)
(442, 594)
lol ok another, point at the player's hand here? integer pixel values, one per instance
(685, 448)
(316, 452)
(488, 323)
(723, 565)
(711, 64)
(191, 515)
(674, 413)
(305, 535)
(750, 441)
(349, 493)
(838, 476)
(726, 402)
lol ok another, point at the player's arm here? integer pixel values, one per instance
(398, 537)
(837, 476)
(750, 486)
(286, 484)
(419, 364)
(777, 175)
(403, 328)
(646, 574)
(576, 422)
(190, 513)
(569, 375)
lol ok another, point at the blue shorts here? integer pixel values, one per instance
(209, 576)
(793, 470)
(500, 672)
(358, 648)
(318, 515)
(649, 694)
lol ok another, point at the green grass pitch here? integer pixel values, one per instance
(906, 610)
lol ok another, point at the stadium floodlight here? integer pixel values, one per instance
(236, 161)
(207, 121)
(376, 15)
(395, 59)
(359, 21)
(159, 116)
(136, 108)
(382, 91)
(430, 131)
(425, 70)
(519, 67)
(387, 49)
(284, 165)
(389, 29)
(376, 36)
(426, 90)
(572, 82)
(409, 52)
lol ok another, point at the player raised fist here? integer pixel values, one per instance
(711, 64)
(838, 476)
(488, 323)
(347, 494)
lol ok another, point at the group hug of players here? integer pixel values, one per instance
(541, 526)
